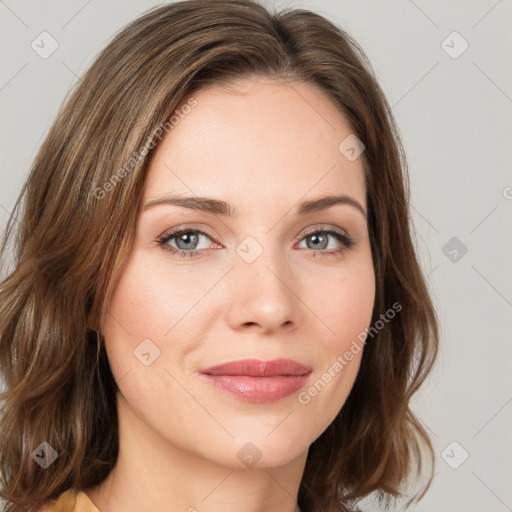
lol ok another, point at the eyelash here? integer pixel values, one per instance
(346, 242)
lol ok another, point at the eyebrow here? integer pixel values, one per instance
(218, 207)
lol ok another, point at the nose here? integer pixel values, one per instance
(263, 295)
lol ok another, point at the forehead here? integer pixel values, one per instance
(257, 141)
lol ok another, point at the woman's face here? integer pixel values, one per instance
(258, 284)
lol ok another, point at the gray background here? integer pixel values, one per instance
(455, 119)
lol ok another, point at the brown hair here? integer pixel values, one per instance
(72, 241)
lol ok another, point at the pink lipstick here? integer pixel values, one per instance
(259, 381)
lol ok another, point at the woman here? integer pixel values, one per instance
(216, 303)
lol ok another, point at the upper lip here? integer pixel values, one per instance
(257, 368)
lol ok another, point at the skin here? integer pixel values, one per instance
(262, 146)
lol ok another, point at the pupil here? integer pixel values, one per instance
(190, 237)
(318, 239)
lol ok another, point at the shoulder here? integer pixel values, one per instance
(70, 501)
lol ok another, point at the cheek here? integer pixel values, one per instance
(143, 347)
(135, 315)
(345, 306)
(155, 317)
(150, 300)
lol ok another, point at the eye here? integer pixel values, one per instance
(318, 238)
(185, 241)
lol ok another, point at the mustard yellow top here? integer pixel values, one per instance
(71, 501)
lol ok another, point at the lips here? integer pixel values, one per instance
(259, 381)
(257, 368)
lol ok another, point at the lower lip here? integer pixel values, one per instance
(259, 389)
